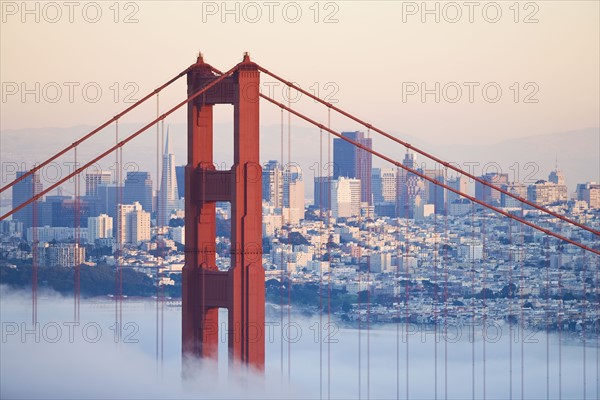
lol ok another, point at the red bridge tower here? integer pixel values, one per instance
(241, 289)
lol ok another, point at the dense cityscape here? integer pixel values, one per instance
(374, 244)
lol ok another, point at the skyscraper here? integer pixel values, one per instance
(293, 197)
(138, 187)
(460, 183)
(94, 179)
(436, 195)
(168, 196)
(133, 224)
(410, 188)
(70, 213)
(66, 255)
(545, 193)
(383, 183)
(107, 198)
(590, 193)
(518, 189)
(45, 216)
(486, 193)
(23, 191)
(180, 174)
(345, 197)
(99, 227)
(352, 162)
(322, 193)
(272, 183)
(556, 176)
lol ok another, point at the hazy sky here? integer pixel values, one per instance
(369, 57)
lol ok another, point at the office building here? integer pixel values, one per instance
(590, 193)
(272, 183)
(168, 198)
(544, 193)
(180, 175)
(71, 213)
(66, 255)
(293, 197)
(133, 224)
(345, 197)
(353, 162)
(95, 179)
(138, 187)
(107, 198)
(518, 189)
(486, 193)
(460, 183)
(322, 192)
(410, 188)
(100, 227)
(435, 194)
(23, 191)
(383, 185)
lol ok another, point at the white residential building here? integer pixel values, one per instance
(100, 227)
(345, 197)
(133, 224)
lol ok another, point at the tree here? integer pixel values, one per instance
(509, 291)
(486, 293)
(175, 222)
(363, 296)
(346, 306)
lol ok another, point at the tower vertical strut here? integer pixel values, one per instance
(241, 290)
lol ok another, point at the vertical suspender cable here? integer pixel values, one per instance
(320, 200)
(547, 313)
(583, 320)
(288, 169)
(483, 296)
(77, 225)
(161, 244)
(472, 338)
(121, 187)
(359, 369)
(329, 176)
(560, 311)
(34, 261)
(161, 287)
(162, 305)
(405, 192)
(282, 248)
(435, 288)
(120, 191)
(521, 254)
(158, 218)
(595, 325)
(509, 300)
(120, 214)
(397, 296)
(446, 295)
(368, 287)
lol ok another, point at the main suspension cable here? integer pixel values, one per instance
(415, 172)
(428, 155)
(121, 143)
(94, 131)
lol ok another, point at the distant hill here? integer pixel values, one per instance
(578, 151)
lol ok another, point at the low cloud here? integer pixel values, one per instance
(58, 359)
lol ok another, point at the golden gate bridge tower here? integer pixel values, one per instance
(241, 290)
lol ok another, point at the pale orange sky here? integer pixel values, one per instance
(367, 54)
